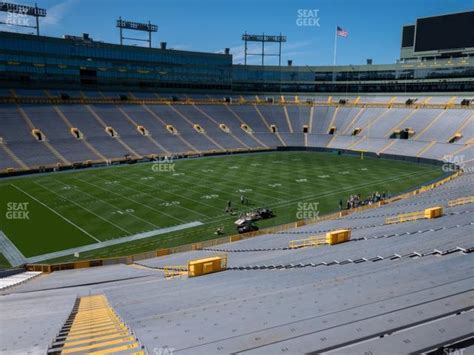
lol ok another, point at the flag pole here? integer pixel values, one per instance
(335, 45)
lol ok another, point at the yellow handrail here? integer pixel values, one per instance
(405, 217)
(461, 201)
(175, 271)
(307, 242)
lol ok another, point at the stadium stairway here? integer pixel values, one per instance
(95, 328)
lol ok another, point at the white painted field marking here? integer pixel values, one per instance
(56, 213)
(209, 197)
(69, 187)
(182, 196)
(207, 170)
(345, 172)
(286, 202)
(234, 167)
(178, 174)
(363, 169)
(170, 204)
(274, 185)
(323, 176)
(84, 208)
(244, 190)
(199, 177)
(255, 164)
(118, 198)
(133, 200)
(351, 188)
(124, 212)
(301, 180)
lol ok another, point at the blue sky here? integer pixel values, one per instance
(211, 25)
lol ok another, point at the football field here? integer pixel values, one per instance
(183, 201)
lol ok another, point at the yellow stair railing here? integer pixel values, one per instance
(307, 242)
(461, 201)
(175, 271)
(332, 237)
(433, 212)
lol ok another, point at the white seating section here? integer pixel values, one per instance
(17, 279)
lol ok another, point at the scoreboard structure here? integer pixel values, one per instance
(443, 36)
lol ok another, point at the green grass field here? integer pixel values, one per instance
(73, 209)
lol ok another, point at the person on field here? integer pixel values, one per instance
(228, 208)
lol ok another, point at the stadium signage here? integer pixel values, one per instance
(148, 27)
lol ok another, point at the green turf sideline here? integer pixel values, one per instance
(57, 254)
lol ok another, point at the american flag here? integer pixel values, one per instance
(342, 32)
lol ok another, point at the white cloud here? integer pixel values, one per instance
(56, 13)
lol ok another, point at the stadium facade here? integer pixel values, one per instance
(80, 62)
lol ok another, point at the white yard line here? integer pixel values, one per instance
(82, 207)
(213, 187)
(231, 184)
(56, 213)
(112, 205)
(168, 192)
(130, 199)
(350, 188)
(285, 202)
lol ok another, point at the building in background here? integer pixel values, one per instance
(436, 55)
